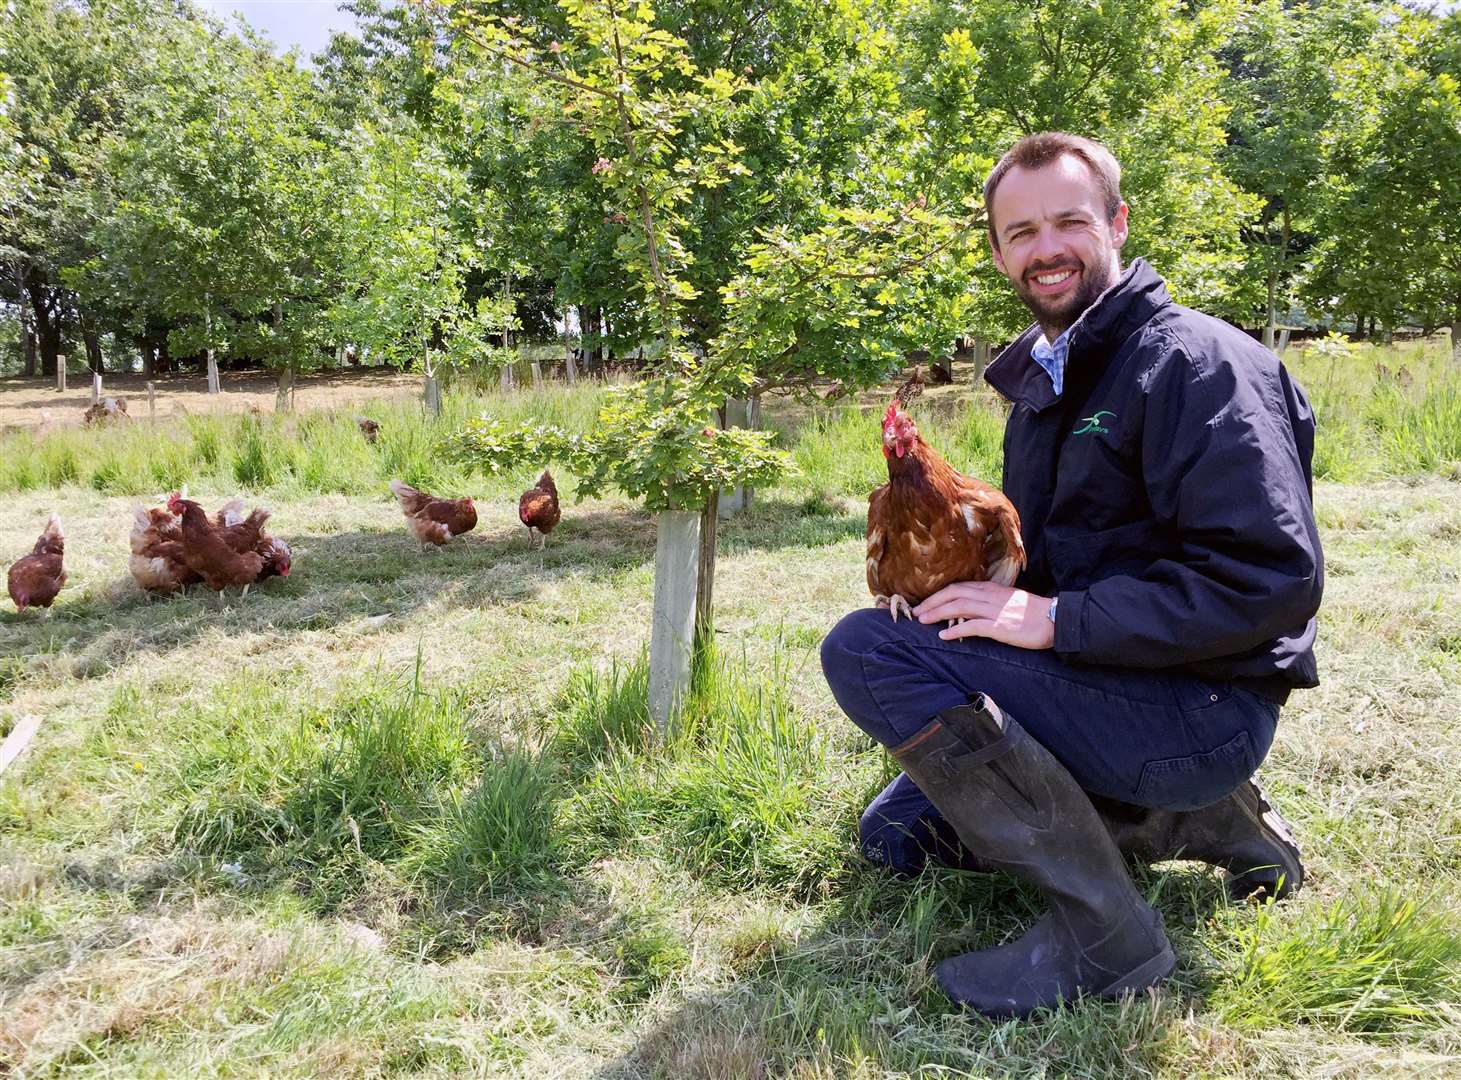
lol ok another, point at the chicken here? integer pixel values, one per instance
(157, 563)
(930, 525)
(538, 508)
(369, 428)
(157, 553)
(433, 520)
(205, 549)
(35, 579)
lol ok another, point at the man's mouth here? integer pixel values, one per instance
(1052, 280)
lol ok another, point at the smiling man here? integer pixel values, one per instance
(1120, 697)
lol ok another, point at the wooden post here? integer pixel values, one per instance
(733, 500)
(61, 373)
(151, 403)
(705, 574)
(537, 375)
(672, 633)
(95, 387)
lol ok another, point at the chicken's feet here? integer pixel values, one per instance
(894, 604)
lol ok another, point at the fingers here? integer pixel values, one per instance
(968, 628)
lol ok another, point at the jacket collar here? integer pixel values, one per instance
(1120, 311)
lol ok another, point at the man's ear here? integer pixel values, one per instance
(1118, 227)
(994, 248)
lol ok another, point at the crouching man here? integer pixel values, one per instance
(1121, 697)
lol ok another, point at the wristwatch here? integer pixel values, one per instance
(1053, 605)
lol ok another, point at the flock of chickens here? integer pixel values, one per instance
(180, 544)
(927, 527)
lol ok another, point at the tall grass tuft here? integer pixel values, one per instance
(1374, 962)
(598, 714)
(745, 794)
(330, 788)
(500, 834)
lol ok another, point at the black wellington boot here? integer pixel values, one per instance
(1242, 833)
(1009, 799)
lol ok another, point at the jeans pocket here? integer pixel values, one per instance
(1197, 780)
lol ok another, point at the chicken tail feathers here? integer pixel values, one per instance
(411, 499)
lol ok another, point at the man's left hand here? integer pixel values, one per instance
(999, 612)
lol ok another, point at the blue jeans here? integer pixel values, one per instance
(1157, 739)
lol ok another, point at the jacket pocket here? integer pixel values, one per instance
(1084, 558)
(1197, 780)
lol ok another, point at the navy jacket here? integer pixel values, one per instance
(1166, 496)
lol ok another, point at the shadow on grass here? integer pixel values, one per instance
(370, 577)
(856, 995)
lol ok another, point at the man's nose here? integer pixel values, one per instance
(1048, 247)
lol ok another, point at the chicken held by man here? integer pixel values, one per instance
(538, 508)
(36, 579)
(433, 520)
(930, 525)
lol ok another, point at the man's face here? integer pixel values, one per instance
(1054, 242)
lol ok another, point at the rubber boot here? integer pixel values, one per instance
(1009, 799)
(1243, 833)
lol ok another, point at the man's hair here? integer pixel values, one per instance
(1045, 148)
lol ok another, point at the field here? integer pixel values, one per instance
(399, 814)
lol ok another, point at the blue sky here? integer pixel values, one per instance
(306, 23)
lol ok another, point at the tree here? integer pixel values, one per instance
(1392, 222)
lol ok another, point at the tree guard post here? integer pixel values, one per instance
(537, 375)
(433, 395)
(95, 387)
(60, 373)
(151, 404)
(672, 633)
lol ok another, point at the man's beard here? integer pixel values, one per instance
(1059, 315)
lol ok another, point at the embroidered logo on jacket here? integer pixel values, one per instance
(1092, 425)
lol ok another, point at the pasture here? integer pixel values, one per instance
(401, 814)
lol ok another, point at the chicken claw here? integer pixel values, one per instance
(894, 603)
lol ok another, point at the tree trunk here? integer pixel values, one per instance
(1272, 309)
(209, 360)
(284, 400)
(1274, 279)
(47, 325)
(28, 349)
(92, 340)
(672, 633)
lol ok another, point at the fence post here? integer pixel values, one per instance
(672, 633)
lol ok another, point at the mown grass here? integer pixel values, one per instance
(405, 814)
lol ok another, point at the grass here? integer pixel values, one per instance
(403, 814)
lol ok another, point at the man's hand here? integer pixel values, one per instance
(1012, 616)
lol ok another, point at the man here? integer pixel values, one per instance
(1122, 695)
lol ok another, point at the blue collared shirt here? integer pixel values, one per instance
(1052, 357)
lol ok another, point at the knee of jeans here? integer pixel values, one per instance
(855, 635)
(889, 843)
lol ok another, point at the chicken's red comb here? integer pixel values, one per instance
(891, 414)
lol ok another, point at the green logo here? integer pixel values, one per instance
(1093, 425)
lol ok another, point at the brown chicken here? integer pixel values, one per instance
(930, 525)
(369, 428)
(433, 520)
(206, 551)
(157, 552)
(538, 508)
(35, 579)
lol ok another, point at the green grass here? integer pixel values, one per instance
(404, 814)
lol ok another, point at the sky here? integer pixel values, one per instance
(306, 23)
